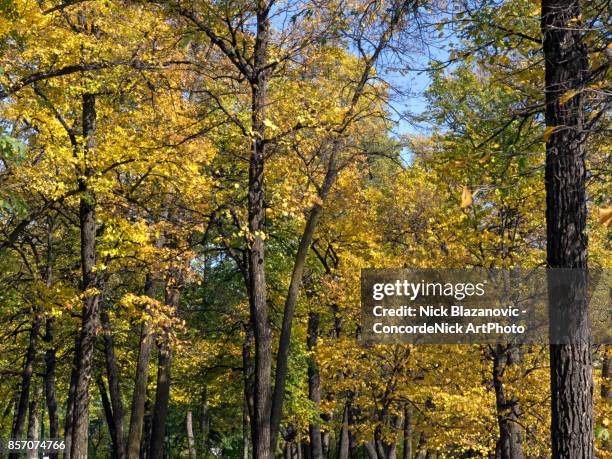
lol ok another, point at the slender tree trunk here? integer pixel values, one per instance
(407, 454)
(205, 422)
(21, 410)
(325, 444)
(85, 351)
(145, 442)
(34, 423)
(566, 69)
(371, 450)
(162, 394)
(314, 387)
(262, 440)
(50, 353)
(108, 414)
(162, 397)
(248, 373)
(49, 381)
(509, 442)
(245, 431)
(68, 421)
(343, 438)
(190, 437)
(113, 385)
(606, 392)
(141, 378)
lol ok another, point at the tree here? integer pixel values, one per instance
(566, 72)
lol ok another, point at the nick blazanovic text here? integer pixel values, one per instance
(444, 311)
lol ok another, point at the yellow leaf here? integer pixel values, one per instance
(605, 216)
(466, 198)
(567, 96)
(548, 132)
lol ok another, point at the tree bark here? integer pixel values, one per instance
(162, 397)
(49, 381)
(343, 438)
(141, 378)
(34, 423)
(108, 414)
(407, 454)
(50, 353)
(509, 442)
(85, 351)
(566, 69)
(162, 394)
(263, 448)
(113, 386)
(205, 422)
(68, 420)
(21, 410)
(314, 387)
(245, 432)
(190, 437)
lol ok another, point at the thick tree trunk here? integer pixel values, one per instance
(190, 437)
(85, 351)
(509, 442)
(140, 379)
(113, 386)
(566, 69)
(21, 410)
(314, 387)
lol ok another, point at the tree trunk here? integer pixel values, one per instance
(190, 437)
(343, 439)
(108, 414)
(145, 442)
(262, 440)
(407, 454)
(21, 410)
(325, 444)
(34, 423)
(314, 387)
(162, 397)
(50, 353)
(141, 378)
(49, 381)
(606, 392)
(245, 432)
(566, 69)
(509, 442)
(85, 351)
(205, 423)
(113, 386)
(68, 421)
